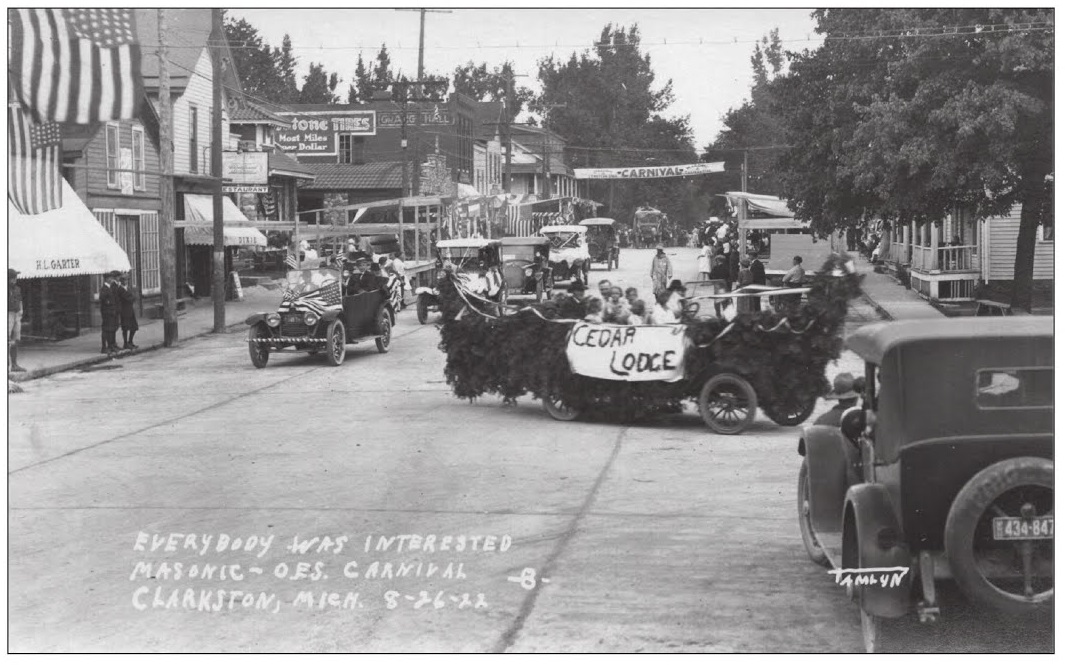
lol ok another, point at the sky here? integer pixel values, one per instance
(708, 77)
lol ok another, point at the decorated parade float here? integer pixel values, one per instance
(621, 373)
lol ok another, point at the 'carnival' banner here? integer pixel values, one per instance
(627, 353)
(637, 172)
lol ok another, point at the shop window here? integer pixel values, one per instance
(149, 253)
(138, 159)
(352, 149)
(112, 149)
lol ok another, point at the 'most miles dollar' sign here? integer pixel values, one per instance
(315, 133)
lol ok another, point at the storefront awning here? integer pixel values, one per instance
(200, 208)
(62, 242)
(773, 224)
(233, 236)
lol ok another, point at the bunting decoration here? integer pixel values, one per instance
(33, 179)
(76, 65)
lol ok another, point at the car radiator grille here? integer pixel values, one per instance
(294, 329)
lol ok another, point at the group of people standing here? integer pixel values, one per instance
(117, 311)
(721, 261)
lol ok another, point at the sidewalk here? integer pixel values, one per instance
(44, 358)
(892, 300)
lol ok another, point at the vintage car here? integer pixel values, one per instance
(477, 263)
(944, 471)
(526, 269)
(647, 226)
(318, 314)
(569, 252)
(602, 241)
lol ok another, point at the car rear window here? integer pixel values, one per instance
(1015, 388)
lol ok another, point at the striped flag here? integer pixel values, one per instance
(76, 65)
(291, 261)
(316, 301)
(33, 180)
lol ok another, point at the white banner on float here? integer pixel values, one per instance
(627, 353)
(638, 172)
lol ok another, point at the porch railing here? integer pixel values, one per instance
(945, 259)
(897, 253)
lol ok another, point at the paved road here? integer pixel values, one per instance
(657, 537)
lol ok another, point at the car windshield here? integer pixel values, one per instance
(305, 281)
(563, 239)
(519, 253)
(463, 258)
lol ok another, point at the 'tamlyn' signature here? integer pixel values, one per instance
(887, 578)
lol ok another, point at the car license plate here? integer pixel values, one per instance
(293, 318)
(1016, 528)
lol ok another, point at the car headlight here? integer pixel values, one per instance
(273, 319)
(528, 272)
(310, 318)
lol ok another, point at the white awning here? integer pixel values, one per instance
(762, 203)
(232, 236)
(200, 208)
(773, 223)
(62, 242)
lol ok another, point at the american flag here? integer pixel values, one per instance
(76, 65)
(316, 301)
(291, 261)
(33, 180)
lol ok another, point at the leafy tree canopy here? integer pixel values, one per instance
(490, 85)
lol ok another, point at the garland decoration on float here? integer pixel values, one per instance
(524, 352)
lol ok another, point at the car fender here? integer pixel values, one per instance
(873, 538)
(330, 315)
(826, 461)
(255, 318)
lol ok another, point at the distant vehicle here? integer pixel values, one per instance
(603, 241)
(569, 252)
(647, 227)
(477, 264)
(946, 470)
(316, 314)
(526, 267)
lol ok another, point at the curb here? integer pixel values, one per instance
(23, 377)
(879, 310)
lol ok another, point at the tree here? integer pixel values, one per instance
(285, 63)
(914, 119)
(319, 87)
(485, 85)
(613, 116)
(382, 71)
(361, 89)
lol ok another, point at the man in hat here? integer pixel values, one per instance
(572, 305)
(845, 394)
(109, 314)
(661, 270)
(127, 316)
(14, 320)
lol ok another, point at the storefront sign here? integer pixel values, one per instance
(245, 168)
(245, 189)
(638, 172)
(316, 132)
(433, 116)
(627, 353)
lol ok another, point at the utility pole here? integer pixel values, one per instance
(218, 283)
(421, 35)
(743, 174)
(546, 152)
(509, 105)
(167, 269)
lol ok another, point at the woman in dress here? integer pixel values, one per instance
(704, 263)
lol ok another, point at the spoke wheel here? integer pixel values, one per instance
(384, 326)
(806, 527)
(727, 404)
(790, 415)
(336, 346)
(1014, 576)
(258, 351)
(557, 410)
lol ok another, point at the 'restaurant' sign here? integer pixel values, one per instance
(638, 172)
(316, 132)
(627, 353)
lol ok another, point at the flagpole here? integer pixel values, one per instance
(218, 286)
(167, 253)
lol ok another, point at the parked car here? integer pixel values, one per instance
(602, 241)
(477, 263)
(526, 268)
(946, 469)
(317, 314)
(569, 252)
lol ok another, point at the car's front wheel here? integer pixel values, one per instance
(806, 527)
(559, 411)
(384, 328)
(727, 403)
(336, 343)
(423, 308)
(259, 351)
